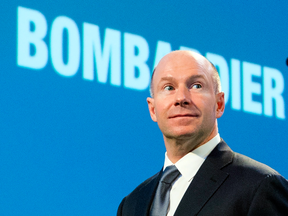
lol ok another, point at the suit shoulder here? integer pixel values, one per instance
(238, 164)
(141, 194)
(146, 182)
(249, 166)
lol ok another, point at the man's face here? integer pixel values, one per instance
(185, 103)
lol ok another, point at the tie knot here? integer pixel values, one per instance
(170, 174)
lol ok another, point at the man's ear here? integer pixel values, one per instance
(151, 108)
(220, 104)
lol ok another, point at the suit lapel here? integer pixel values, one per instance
(207, 180)
(146, 197)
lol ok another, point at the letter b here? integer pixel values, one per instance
(26, 37)
(133, 61)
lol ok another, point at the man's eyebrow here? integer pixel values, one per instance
(168, 78)
(193, 77)
(198, 76)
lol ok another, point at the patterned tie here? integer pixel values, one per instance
(162, 196)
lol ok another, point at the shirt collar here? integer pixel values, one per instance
(189, 165)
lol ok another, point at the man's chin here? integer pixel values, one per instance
(181, 135)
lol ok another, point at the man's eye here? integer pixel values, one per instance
(168, 88)
(196, 86)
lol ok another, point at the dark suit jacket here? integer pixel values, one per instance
(226, 184)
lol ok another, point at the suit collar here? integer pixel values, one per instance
(207, 180)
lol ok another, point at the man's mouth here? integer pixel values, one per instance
(183, 116)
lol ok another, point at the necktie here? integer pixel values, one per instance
(162, 196)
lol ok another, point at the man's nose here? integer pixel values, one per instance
(182, 97)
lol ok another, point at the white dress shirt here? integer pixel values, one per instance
(188, 166)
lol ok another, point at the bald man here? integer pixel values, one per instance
(186, 101)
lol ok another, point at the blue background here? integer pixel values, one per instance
(76, 147)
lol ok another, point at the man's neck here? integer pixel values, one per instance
(178, 147)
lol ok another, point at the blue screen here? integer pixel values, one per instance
(76, 134)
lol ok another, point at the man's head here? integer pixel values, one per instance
(215, 76)
(186, 97)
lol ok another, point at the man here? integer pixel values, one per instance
(209, 179)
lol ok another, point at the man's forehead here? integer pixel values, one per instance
(180, 61)
(180, 57)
